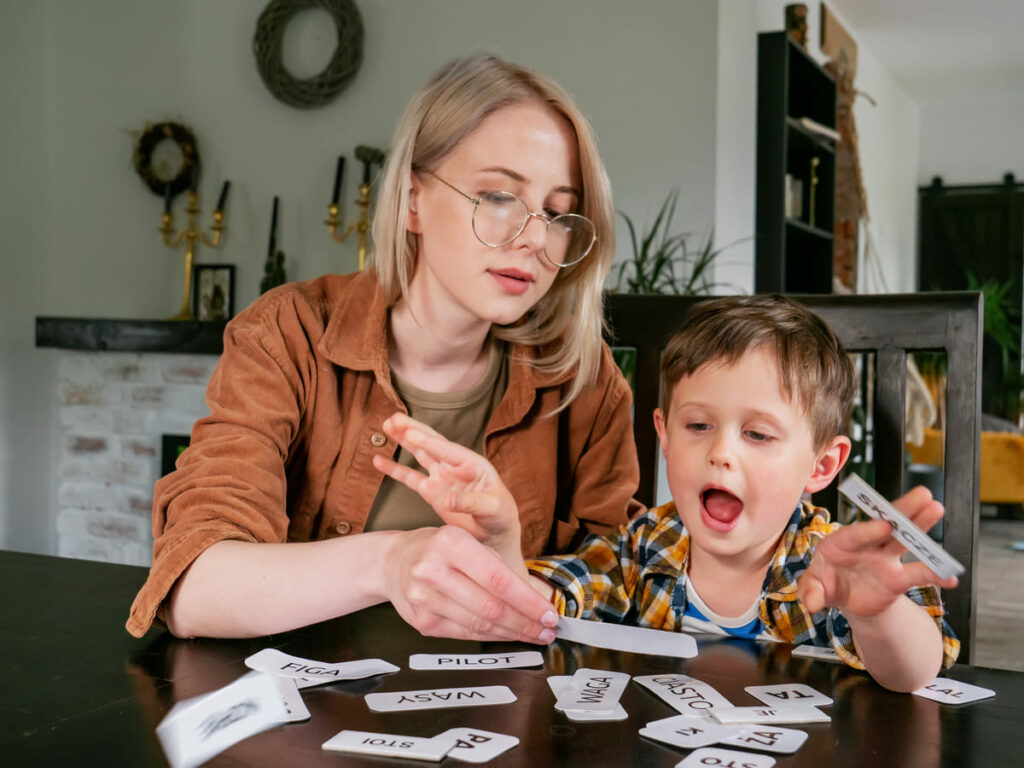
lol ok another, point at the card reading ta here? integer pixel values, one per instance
(913, 538)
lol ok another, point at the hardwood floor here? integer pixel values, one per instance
(1000, 576)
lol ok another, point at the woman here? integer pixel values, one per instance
(481, 317)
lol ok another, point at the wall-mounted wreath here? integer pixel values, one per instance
(319, 89)
(148, 142)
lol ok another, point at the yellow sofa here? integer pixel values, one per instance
(1002, 463)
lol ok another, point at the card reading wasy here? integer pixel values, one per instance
(441, 698)
(913, 538)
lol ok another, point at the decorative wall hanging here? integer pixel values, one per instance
(165, 184)
(319, 89)
(369, 157)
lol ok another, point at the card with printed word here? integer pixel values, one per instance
(792, 713)
(767, 738)
(593, 690)
(619, 637)
(724, 758)
(475, 746)
(788, 693)
(442, 698)
(688, 731)
(274, 662)
(817, 652)
(390, 745)
(948, 691)
(476, 660)
(684, 694)
(559, 683)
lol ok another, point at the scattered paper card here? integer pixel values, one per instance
(795, 713)
(274, 662)
(788, 693)
(765, 738)
(948, 691)
(475, 746)
(390, 745)
(441, 698)
(476, 660)
(205, 726)
(683, 693)
(558, 683)
(688, 731)
(619, 637)
(593, 690)
(913, 538)
(817, 652)
(702, 758)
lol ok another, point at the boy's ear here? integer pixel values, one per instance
(659, 427)
(828, 463)
(412, 219)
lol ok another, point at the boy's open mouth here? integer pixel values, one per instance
(721, 507)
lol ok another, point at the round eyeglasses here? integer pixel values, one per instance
(500, 217)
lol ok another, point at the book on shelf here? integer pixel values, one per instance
(813, 126)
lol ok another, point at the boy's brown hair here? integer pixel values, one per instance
(814, 367)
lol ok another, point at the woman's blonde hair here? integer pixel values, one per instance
(565, 325)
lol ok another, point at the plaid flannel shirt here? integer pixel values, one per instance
(637, 575)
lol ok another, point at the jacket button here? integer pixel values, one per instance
(377, 439)
(343, 528)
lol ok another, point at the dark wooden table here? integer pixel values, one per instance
(76, 689)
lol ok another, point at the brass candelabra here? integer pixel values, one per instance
(361, 226)
(190, 236)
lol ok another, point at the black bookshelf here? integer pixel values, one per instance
(793, 252)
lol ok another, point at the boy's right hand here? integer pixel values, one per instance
(461, 485)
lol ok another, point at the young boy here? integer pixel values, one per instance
(755, 392)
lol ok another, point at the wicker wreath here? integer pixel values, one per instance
(320, 89)
(148, 141)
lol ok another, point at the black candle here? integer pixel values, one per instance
(223, 195)
(273, 231)
(168, 198)
(366, 171)
(193, 182)
(339, 174)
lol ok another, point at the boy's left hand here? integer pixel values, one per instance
(858, 569)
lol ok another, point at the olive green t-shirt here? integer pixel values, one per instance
(461, 417)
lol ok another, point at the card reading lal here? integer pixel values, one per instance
(684, 694)
(795, 713)
(947, 691)
(441, 698)
(765, 738)
(475, 746)
(390, 745)
(593, 690)
(619, 637)
(913, 538)
(559, 683)
(476, 660)
(702, 758)
(274, 662)
(688, 731)
(788, 693)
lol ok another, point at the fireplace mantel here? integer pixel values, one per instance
(110, 335)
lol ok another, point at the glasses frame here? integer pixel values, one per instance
(548, 220)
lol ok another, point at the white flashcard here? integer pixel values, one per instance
(475, 746)
(947, 691)
(788, 693)
(766, 738)
(441, 698)
(558, 683)
(683, 693)
(619, 637)
(688, 731)
(793, 713)
(207, 725)
(702, 758)
(593, 690)
(274, 662)
(390, 745)
(291, 698)
(816, 652)
(909, 535)
(476, 660)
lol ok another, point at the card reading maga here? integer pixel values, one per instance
(684, 694)
(441, 698)
(705, 756)
(913, 538)
(559, 683)
(274, 662)
(475, 746)
(593, 690)
(476, 660)
(619, 637)
(947, 691)
(788, 693)
(390, 745)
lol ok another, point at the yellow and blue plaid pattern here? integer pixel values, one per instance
(637, 575)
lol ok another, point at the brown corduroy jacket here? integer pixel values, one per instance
(297, 404)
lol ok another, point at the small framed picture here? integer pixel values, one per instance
(214, 292)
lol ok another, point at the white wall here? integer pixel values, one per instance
(974, 143)
(79, 227)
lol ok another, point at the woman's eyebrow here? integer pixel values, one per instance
(522, 179)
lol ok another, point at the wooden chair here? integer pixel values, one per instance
(889, 326)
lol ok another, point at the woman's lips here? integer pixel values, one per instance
(513, 281)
